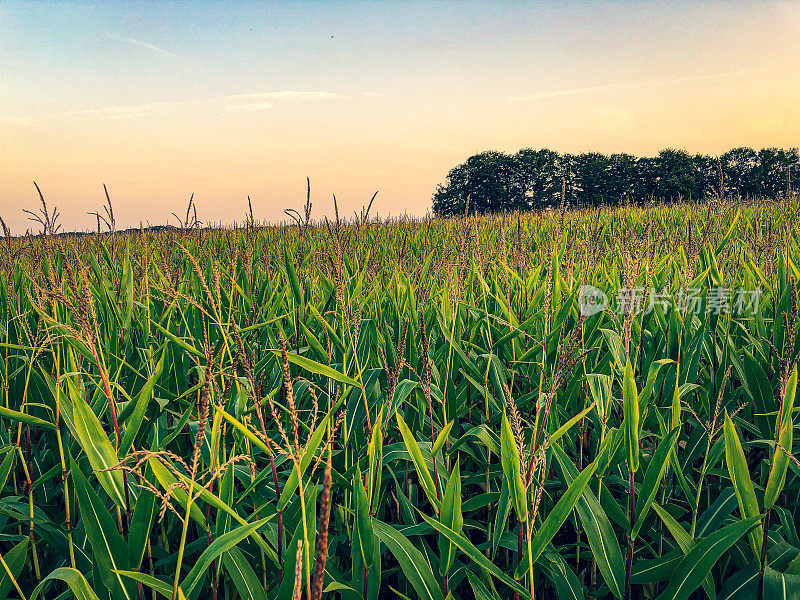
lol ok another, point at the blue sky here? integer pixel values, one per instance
(159, 100)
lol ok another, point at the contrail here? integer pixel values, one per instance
(623, 86)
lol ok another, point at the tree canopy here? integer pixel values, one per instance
(535, 179)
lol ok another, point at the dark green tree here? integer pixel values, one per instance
(593, 179)
(675, 176)
(538, 172)
(740, 172)
(532, 179)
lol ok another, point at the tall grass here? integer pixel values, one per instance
(413, 408)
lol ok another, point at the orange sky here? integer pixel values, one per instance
(159, 101)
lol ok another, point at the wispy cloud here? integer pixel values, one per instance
(287, 95)
(15, 121)
(181, 63)
(125, 111)
(248, 107)
(245, 103)
(141, 44)
(234, 104)
(580, 91)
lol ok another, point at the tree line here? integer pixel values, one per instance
(537, 179)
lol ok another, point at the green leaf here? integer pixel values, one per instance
(742, 484)
(15, 561)
(98, 450)
(478, 589)
(630, 410)
(375, 454)
(509, 458)
(109, 549)
(600, 386)
(244, 430)
(570, 423)
(167, 479)
(73, 578)
(19, 417)
(599, 532)
(780, 458)
(363, 523)
(692, 570)
(218, 546)
(652, 479)
(474, 554)
(562, 577)
(424, 475)
(163, 588)
(5, 468)
(441, 438)
(141, 526)
(685, 543)
(216, 502)
(320, 369)
(555, 519)
(291, 276)
(413, 563)
(451, 517)
(309, 452)
(134, 422)
(244, 577)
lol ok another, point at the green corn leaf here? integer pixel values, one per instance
(599, 531)
(501, 516)
(320, 369)
(363, 523)
(5, 467)
(244, 577)
(509, 457)
(561, 577)
(309, 453)
(73, 578)
(375, 455)
(291, 276)
(742, 484)
(424, 475)
(15, 561)
(141, 526)
(652, 479)
(413, 563)
(474, 554)
(226, 488)
(555, 519)
(20, 417)
(783, 449)
(98, 450)
(630, 409)
(162, 587)
(694, 568)
(166, 479)
(439, 443)
(217, 547)
(570, 424)
(134, 422)
(109, 549)
(685, 543)
(600, 387)
(451, 517)
(480, 591)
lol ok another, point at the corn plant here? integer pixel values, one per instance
(411, 408)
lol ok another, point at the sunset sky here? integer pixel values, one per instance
(159, 100)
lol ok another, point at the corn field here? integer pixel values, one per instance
(414, 408)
